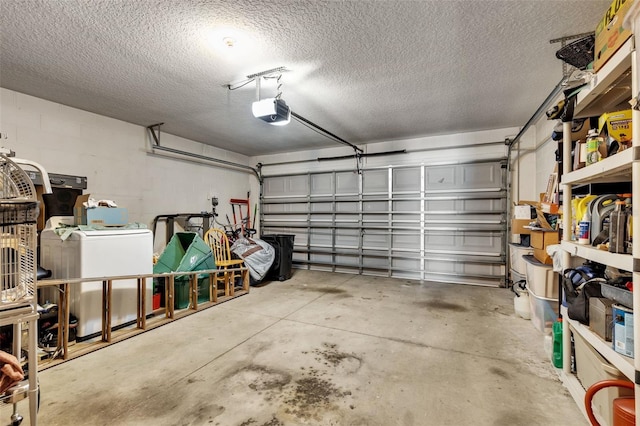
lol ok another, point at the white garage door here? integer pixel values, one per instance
(436, 223)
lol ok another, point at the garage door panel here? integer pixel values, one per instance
(322, 184)
(440, 178)
(406, 180)
(319, 207)
(347, 260)
(483, 243)
(430, 222)
(376, 262)
(407, 264)
(347, 183)
(321, 238)
(347, 206)
(287, 186)
(374, 241)
(375, 182)
(405, 241)
(322, 258)
(440, 240)
(348, 239)
(483, 175)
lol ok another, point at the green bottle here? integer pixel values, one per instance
(557, 343)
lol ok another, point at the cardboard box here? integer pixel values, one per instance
(622, 335)
(103, 216)
(522, 212)
(542, 256)
(541, 239)
(518, 226)
(550, 208)
(610, 34)
(616, 124)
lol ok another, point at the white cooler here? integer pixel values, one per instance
(89, 254)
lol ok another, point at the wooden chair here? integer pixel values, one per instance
(219, 243)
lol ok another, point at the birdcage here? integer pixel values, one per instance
(18, 215)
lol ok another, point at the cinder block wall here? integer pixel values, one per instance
(114, 156)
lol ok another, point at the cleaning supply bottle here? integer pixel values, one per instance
(593, 144)
(584, 228)
(557, 343)
(618, 228)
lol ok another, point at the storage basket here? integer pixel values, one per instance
(516, 251)
(544, 311)
(541, 278)
(578, 53)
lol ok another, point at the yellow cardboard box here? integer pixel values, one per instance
(610, 34)
(617, 125)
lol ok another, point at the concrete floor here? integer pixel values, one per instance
(322, 349)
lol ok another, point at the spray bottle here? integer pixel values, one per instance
(584, 228)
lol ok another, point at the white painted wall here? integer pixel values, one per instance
(114, 156)
(533, 160)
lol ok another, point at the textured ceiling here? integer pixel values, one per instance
(365, 70)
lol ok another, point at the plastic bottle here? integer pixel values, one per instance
(521, 304)
(557, 343)
(584, 228)
(593, 144)
(618, 228)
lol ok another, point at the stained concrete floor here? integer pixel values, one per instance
(322, 349)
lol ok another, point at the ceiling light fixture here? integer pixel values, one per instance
(275, 110)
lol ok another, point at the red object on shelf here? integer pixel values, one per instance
(624, 409)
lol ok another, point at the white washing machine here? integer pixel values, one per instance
(88, 254)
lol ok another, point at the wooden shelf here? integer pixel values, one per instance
(621, 261)
(610, 87)
(616, 168)
(621, 362)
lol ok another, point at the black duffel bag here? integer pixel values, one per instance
(577, 297)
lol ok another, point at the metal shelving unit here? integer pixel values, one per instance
(610, 86)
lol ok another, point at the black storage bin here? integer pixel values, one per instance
(282, 263)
